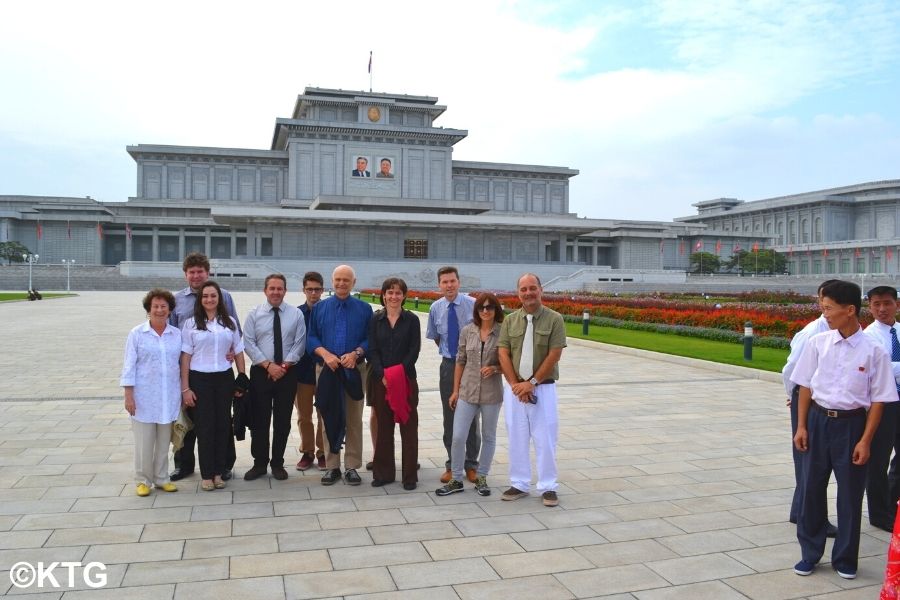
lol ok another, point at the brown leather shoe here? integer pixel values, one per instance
(471, 475)
(447, 476)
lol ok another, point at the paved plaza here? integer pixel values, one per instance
(675, 477)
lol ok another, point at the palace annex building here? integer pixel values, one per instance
(369, 179)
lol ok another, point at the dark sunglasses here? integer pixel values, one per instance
(486, 307)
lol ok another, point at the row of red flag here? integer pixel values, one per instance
(755, 247)
(40, 230)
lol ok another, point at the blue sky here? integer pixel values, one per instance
(659, 104)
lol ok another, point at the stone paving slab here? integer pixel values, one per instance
(675, 482)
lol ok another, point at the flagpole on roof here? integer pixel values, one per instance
(370, 71)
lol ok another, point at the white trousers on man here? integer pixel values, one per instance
(151, 452)
(538, 423)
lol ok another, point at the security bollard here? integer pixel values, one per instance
(585, 322)
(748, 341)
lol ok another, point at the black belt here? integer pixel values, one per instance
(838, 414)
(541, 382)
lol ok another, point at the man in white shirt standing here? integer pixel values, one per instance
(845, 379)
(274, 339)
(881, 487)
(446, 318)
(798, 342)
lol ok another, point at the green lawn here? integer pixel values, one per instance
(766, 359)
(9, 296)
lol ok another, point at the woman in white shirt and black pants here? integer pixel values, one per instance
(207, 379)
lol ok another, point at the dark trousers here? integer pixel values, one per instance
(882, 508)
(894, 471)
(385, 468)
(212, 419)
(798, 456)
(473, 440)
(270, 402)
(830, 448)
(184, 458)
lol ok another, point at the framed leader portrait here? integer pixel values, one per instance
(385, 168)
(360, 167)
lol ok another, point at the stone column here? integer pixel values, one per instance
(181, 242)
(155, 245)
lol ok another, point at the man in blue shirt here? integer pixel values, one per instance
(338, 337)
(196, 272)
(444, 326)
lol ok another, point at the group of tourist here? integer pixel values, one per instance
(333, 354)
(842, 384)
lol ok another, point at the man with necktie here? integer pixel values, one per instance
(881, 487)
(274, 339)
(530, 346)
(446, 318)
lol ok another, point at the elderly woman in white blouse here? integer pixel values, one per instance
(151, 379)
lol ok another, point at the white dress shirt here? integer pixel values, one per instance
(845, 373)
(881, 333)
(798, 342)
(259, 333)
(151, 367)
(208, 348)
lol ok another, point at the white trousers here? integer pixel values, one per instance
(151, 452)
(539, 423)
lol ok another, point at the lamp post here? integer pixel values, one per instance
(69, 264)
(30, 259)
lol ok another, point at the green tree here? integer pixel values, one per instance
(12, 251)
(704, 262)
(765, 261)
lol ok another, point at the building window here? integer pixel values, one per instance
(792, 231)
(804, 226)
(804, 267)
(829, 266)
(818, 234)
(817, 267)
(860, 265)
(845, 265)
(876, 264)
(415, 249)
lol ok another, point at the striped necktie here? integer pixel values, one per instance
(895, 350)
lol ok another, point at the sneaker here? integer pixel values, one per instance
(447, 476)
(254, 473)
(168, 487)
(143, 490)
(481, 486)
(513, 494)
(453, 486)
(305, 462)
(351, 477)
(321, 463)
(331, 477)
(804, 568)
(549, 498)
(845, 573)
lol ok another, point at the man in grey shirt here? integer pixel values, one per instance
(274, 339)
(196, 272)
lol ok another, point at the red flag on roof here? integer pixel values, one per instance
(857, 253)
(681, 247)
(699, 245)
(718, 246)
(99, 230)
(128, 230)
(791, 250)
(370, 61)
(756, 246)
(889, 253)
(661, 246)
(824, 251)
(69, 229)
(40, 230)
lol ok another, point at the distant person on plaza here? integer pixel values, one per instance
(477, 390)
(208, 339)
(881, 486)
(446, 318)
(385, 172)
(274, 339)
(798, 343)
(395, 339)
(530, 346)
(150, 377)
(338, 332)
(312, 448)
(362, 163)
(845, 379)
(196, 271)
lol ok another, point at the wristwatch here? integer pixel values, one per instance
(358, 353)
(533, 382)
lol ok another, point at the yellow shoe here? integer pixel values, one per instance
(168, 487)
(143, 489)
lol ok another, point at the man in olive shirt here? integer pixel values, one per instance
(530, 346)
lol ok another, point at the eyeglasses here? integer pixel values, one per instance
(314, 290)
(486, 307)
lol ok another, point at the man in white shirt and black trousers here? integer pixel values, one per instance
(274, 339)
(881, 487)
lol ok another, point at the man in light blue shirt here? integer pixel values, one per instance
(447, 316)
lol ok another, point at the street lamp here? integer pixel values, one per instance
(69, 264)
(30, 259)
